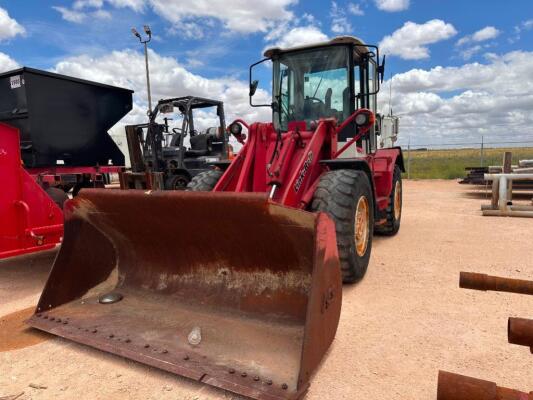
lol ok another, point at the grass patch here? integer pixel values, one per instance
(451, 163)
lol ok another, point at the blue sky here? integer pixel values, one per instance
(211, 43)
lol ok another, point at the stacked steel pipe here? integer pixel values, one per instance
(519, 331)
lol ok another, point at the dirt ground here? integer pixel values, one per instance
(406, 320)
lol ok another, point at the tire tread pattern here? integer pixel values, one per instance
(337, 194)
(204, 181)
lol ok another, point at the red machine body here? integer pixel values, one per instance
(30, 220)
(303, 157)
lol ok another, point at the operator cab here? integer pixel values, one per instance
(325, 80)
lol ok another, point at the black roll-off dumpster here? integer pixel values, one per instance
(62, 120)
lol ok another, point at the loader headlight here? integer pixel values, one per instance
(235, 129)
(362, 119)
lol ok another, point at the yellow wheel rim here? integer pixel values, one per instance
(397, 200)
(362, 226)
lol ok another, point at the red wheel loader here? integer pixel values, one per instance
(248, 297)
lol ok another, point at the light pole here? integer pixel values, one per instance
(145, 42)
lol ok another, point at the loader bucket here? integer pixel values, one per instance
(227, 289)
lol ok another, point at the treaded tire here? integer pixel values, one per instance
(58, 196)
(204, 181)
(338, 193)
(392, 226)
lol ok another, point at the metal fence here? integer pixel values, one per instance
(449, 160)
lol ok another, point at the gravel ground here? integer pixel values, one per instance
(406, 320)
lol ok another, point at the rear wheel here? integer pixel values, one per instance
(177, 182)
(346, 196)
(205, 181)
(394, 209)
(57, 195)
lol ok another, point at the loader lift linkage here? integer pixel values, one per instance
(249, 298)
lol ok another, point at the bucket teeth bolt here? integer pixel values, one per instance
(127, 340)
(284, 386)
(94, 330)
(231, 371)
(111, 336)
(186, 358)
(256, 378)
(52, 318)
(244, 374)
(164, 351)
(269, 382)
(146, 346)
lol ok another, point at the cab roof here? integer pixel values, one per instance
(360, 49)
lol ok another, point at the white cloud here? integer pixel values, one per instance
(136, 5)
(518, 29)
(81, 4)
(9, 27)
(468, 53)
(392, 5)
(451, 104)
(169, 79)
(296, 36)
(355, 9)
(244, 16)
(101, 14)
(487, 33)
(70, 15)
(78, 16)
(339, 22)
(192, 18)
(7, 63)
(411, 40)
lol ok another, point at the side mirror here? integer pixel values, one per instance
(381, 69)
(254, 83)
(253, 87)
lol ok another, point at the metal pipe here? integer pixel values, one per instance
(508, 213)
(148, 76)
(514, 177)
(472, 280)
(459, 387)
(520, 332)
(503, 194)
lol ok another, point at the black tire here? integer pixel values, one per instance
(177, 182)
(57, 195)
(338, 194)
(392, 225)
(205, 181)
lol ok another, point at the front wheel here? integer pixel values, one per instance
(346, 196)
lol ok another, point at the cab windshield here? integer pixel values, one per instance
(312, 84)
